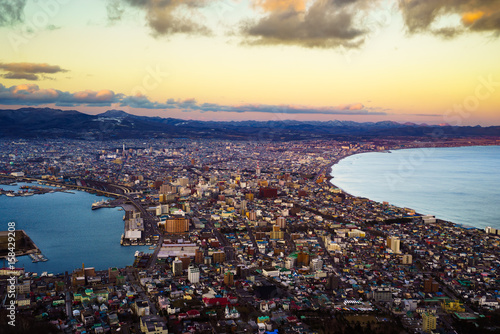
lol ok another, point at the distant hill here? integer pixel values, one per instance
(117, 124)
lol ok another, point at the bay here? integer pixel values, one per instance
(457, 184)
(67, 231)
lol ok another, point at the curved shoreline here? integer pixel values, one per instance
(330, 177)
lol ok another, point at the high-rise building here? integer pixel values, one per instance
(290, 262)
(316, 264)
(229, 278)
(302, 259)
(198, 257)
(242, 271)
(177, 267)
(281, 222)
(177, 225)
(186, 261)
(252, 215)
(219, 257)
(429, 322)
(193, 274)
(276, 233)
(393, 243)
(430, 285)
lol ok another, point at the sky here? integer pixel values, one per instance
(420, 61)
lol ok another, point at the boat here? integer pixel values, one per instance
(34, 258)
(96, 205)
(152, 247)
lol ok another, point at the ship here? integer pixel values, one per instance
(96, 205)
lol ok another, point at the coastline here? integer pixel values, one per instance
(330, 178)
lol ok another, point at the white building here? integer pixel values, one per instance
(193, 274)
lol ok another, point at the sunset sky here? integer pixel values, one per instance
(421, 61)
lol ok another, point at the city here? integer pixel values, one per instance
(251, 236)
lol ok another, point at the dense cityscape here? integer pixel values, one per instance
(247, 237)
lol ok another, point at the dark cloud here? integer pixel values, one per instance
(28, 71)
(476, 15)
(447, 33)
(11, 11)
(30, 94)
(164, 17)
(25, 76)
(326, 24)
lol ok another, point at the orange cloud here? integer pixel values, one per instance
(105, 95)
(277, 5)
(471, 17)
(357, 106)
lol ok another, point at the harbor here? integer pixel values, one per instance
(30, 190)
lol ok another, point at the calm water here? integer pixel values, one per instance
(461, 184)
(67, 231)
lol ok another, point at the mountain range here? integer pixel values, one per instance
(117, 124)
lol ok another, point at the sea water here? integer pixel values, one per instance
(67, 231)
(458, 184)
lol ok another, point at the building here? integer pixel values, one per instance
(393, 243)
(219, 257)
(229, 278)
(302, 259)
(281, 222)
(181, 249)
(141, 307)
(193, 274)
(276, 233)
(430, 285)
(186, 261)
(429, 322)
(268, 192)
(175, 225)
(290, 262)
(23, 288)
(153, 324)
(382, 295)
(252, 215)
(177, 267)
(407, 259)
(316, 264)
(198, 257)
(183, 181)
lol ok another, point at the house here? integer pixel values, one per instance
(153, 324)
